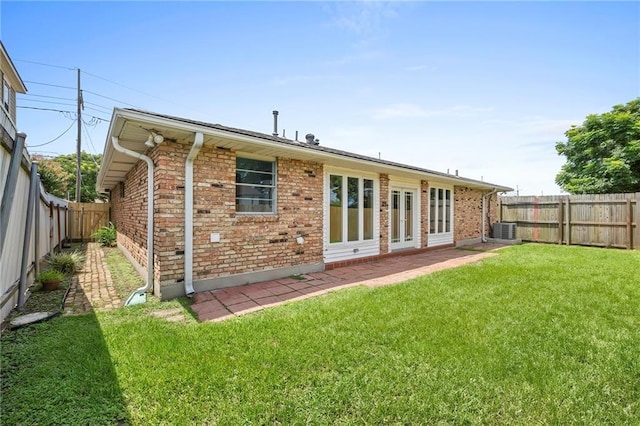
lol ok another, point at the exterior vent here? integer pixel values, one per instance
(311, 139)
(504, 231)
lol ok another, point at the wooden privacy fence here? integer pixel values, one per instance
(603, 220)
(87, 218)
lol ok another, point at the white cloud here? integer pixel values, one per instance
(362, 17)
(421, 67)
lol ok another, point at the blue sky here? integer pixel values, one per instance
(486, 88)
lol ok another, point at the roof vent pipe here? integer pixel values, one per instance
(275, 123)
(311, 139)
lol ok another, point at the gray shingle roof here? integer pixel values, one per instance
(318, 148)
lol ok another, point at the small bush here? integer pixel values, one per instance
(106, 235)
(50, 275)
(67, 263)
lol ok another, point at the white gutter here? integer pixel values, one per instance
(484, 237)
(188, 213)
(139, 294)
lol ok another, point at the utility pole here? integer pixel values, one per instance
(79, 147)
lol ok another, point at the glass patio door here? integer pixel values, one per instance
(402, 218)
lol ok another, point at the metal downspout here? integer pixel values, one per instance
(188, 213)
(139, 295)
(484, 220)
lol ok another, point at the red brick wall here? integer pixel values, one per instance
(468, 213)
(248, 242)
(129, 213)
(384, 213)
(423, 193)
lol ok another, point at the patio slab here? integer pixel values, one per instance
(226, 303)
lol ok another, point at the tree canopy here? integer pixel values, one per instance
(603, 154)
(58, 176)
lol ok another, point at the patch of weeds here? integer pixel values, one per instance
(298, 277)
(124, 276)
(106, 236)
(67, 262)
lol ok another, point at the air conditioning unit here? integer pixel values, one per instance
(504, 231)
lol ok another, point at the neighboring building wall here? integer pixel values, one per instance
(468, 213)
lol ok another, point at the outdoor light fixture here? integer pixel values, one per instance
(157, 138)
(149, 141)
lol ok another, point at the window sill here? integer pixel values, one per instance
(256, 218)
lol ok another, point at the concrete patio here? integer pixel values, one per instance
(224, 303)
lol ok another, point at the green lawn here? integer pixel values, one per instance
(540, 334)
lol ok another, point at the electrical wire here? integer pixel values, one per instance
(45, 65)
(52, 85)
(55, 139)
(126, 87)
(47, 102)
(64, 112)
(43, 96)
(91, 142)
(112, 99)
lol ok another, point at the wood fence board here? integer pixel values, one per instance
(603, 220)
(87, 218)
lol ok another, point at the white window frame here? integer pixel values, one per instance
(274, 186)
(406, 186)
(443, 237)
(345, 250)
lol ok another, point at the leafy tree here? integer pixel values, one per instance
(53, 177)
(58, 176)
(603, 154)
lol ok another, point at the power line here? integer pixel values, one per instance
(98, 105)
(44, 96)
(46, 65)
(55, 139)
(43, 109)
(111, 99)
(63, 111)
(126, 87)
(47, 102)
(91, 142)
(52, 85)
(97, 110)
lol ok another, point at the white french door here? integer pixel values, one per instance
(403, 218)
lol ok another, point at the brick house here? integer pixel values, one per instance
(257, 207)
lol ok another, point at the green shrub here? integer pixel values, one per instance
(106, 235)
(67, 263)
(50, 275)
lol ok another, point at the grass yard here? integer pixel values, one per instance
(540, 334)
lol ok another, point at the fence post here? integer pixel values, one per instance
(629, 227)
(27, 235)
(637, 245)
(10, 186)
(36, 234)
(82, 224)
(568, 209)
(560, 221)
